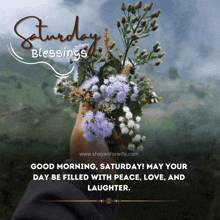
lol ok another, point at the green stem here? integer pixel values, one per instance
(126, 52)
(90, 67)
(134, 30)
(121, 37)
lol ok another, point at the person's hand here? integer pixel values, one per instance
(81, 150)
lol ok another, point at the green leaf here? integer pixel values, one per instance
(126, 139)
(119, 112)
(135, 108)
(114, 63)
(142, 104)
(82, 73)
(140, 93)
(142, 85)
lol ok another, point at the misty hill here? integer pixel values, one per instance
(29, 108)
(188, 111)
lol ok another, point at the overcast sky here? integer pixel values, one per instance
(189, 29)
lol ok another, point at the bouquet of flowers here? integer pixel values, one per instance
(111, 85)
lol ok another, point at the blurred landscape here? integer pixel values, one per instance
(183, 128)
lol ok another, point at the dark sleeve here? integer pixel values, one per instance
(31, 206)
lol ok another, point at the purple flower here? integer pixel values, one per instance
(121, 97)
(75, 58)
(117, 85)
(112, 79)
(135, 89)
(88, 115)
(110, 90)
(98, 128)
(89, 135)
(75, 77)
(96, 95)
(121, 78)
(106, 81)
(126, 88)
(103, 88)
(87, 84)
(95, 79)
(80, 47)
(133, 97)
(95, 88)
(97, 70)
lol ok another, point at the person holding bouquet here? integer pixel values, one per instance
(108, 94)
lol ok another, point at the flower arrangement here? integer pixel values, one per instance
(112, 86)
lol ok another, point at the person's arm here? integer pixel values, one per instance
(79, 146)
(32, 206)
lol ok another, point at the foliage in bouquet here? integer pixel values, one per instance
(111, 85)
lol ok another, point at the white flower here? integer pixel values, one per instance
(107, 105)
(137, 138)
(69, 83)
(130, 123)
(152, 100)
(95, 88)
(112, 79)
(131, 147)
(156, 100)
(128, 115)
(113, 107)
(143, 138)
(154, 94)
(138, 119)
(140, 148)
(126, 109)
(55, 90)
(136, 127)
(124, 130)
(131, 132)
(107, 99)
(128, 62)
(133, 140)
(121, 119)
(60, 81)
(114, 100)
(122, 125)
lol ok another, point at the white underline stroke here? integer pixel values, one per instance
(57, 74)
(15, 53)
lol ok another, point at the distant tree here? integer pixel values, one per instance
(173, 73)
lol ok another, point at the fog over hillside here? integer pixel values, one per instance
(188, 112)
